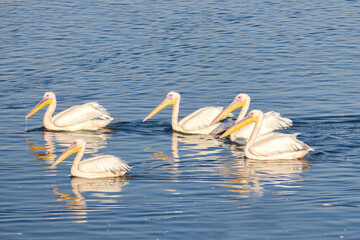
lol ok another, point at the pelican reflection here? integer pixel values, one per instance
(199, 146)
(247, 177)
(184, 146)
(95, 141)
(100, 189)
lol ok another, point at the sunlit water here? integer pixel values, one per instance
(300, 58)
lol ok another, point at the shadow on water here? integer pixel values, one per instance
(36, 129)
(151, 127)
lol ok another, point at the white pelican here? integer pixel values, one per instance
(272, 120)
(197, 122)
(89, 116)
(275, 146)
(96, 167)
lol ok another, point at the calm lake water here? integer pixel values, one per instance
(300, 58)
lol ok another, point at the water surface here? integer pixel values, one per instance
(300, 58)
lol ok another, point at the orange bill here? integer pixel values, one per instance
(234, 105)
(163, 104)
(39, 106)
(238, 125)
(72, 149)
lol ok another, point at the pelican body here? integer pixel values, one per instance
(272, 120)
(197, 122)
(274, 146)
(88, 116)
(96, 167)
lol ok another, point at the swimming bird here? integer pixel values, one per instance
(88, 116)
(272, 120)
(197, 122)
(275, 146)
(96, 167)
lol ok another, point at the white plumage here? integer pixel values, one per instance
(95, 167)
(88, 116)
(272, 120)
(272, 145)
(278, 144)
(197, 122)
(103, 163)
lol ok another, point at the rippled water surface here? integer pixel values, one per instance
(300, 58)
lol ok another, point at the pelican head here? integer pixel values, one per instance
(171, 99)
(253, 116)
(48, 98)
(76, 146)
(239, 101)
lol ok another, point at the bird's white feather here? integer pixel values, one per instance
(201, 118)
(272, 121)
(79, 114)
(278, 144)
(103, 163)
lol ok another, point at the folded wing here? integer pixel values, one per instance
(278, 144)
(103, 163)
(201, 118)
(80, 113)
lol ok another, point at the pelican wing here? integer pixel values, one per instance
(103, 163)
(201, 118)
(80, 113)
(278, 144)
(272, 121)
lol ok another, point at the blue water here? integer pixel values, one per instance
(300, 58)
